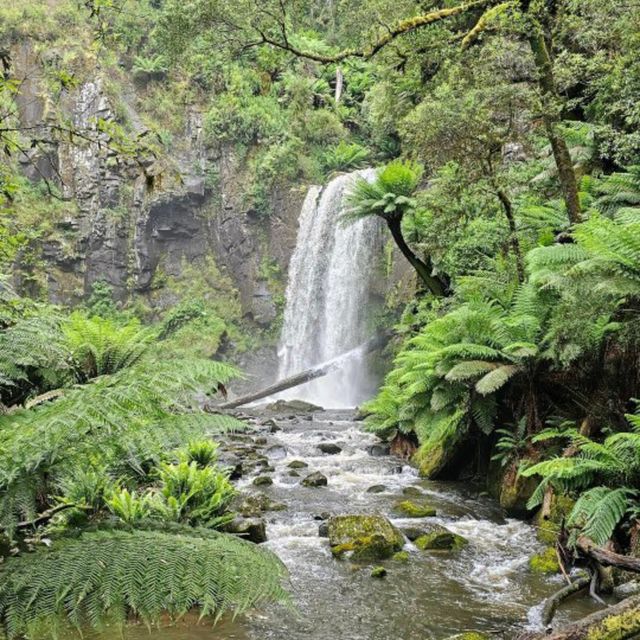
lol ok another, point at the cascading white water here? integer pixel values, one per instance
(327, 299)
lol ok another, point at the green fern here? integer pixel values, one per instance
(113, 576)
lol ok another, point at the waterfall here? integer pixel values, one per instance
(331, 277)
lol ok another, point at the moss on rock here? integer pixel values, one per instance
(378, 572)
(545, 562)
(413, 510)
(470, 635)
(365, 538)
(401, 556)
(440, 539)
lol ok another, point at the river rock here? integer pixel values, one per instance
(412, 510)
(329, 448)
(545, 562)
(316, 479)
(378, 572)
(254, 504)
(261, 440)
(299, 406)
(412, 492)
(378, 450)
(297, 464)
(365, 538)
(252, 529)
(276, 452)
(377, 488)
(262, 481)
(323, 529)
(470, 635)
(439, 538)
(413, 533)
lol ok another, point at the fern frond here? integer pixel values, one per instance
(114, 575)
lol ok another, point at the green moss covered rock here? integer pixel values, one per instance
(470, 635)
(515, 491)
(378, 572)
(439, 538)
(401, 556)
(364, 538)
(433, 455)
(411, 509)
(548, 523)
(545, 562)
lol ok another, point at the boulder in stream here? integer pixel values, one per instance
(365, 538)
(378, 450)
(377, 488)
(254, 504)
(297, 464)
(262, 481)
(412, 510)
(439, 538)
(316, 479)
(329, 448)
(252, 529)
(298, 406)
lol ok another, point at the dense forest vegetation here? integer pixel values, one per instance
(507, 141)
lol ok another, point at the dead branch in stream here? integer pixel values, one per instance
(606, 557)
(618, 622)
(553, 602)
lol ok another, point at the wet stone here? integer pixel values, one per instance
(377, 488)
(276, 452)
(316, 479)
(297, 464)
(378, 450)
(262, 481)
(412, 492)
(329, 448)
(252, 529)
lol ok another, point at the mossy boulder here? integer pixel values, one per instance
(364, 538)
(412, 509)
(548, 520)
(439, 538)
(436, 453)
(297, 464)
(378, 572)
(545, 562)
(470, 635)
(515, 491)
(401, 556)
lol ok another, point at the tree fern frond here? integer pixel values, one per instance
(114, 575)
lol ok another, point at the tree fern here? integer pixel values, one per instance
(112, 576)
(599, 510)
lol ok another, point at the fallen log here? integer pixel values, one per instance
(606, 557)
(553, 602)
(618, 622)
(306, 376)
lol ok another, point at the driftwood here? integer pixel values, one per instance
(304, 376)
(553, 602)
(618, 622)
(606, 557)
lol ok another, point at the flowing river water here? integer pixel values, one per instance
(487, 586)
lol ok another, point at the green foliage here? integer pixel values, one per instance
(100, 346)
(106, 577)
(388, 196)
(202, 452)
(346, 157)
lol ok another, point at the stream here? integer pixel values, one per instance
(487, 586)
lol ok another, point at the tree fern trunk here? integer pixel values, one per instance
(422, 268)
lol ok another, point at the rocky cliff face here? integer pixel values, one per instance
(135, 223)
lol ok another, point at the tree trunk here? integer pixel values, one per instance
(296, 380)
(422, 268)
(515, 243)
(551, 119)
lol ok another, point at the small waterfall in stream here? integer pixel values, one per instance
(328, 295)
